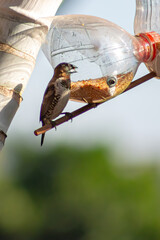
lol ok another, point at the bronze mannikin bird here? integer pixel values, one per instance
(57, 94)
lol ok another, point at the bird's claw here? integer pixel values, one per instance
(53, 124)
(69, 115)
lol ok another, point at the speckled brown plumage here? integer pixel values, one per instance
(57, 94)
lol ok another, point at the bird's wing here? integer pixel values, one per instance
(47, 100)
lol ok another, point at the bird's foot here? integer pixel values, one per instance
(53, 124)
(69, 115)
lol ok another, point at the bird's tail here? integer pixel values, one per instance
(42, 138)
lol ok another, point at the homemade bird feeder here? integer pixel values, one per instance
(106, 55)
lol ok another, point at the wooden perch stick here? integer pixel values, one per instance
(141, 80)
(87, 107)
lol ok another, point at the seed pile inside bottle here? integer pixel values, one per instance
(97, 90)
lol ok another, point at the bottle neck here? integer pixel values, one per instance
(148, 46)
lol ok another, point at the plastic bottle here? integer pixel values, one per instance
(106, 55)
(147, 19)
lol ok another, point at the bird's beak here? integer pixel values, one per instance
(73, 70)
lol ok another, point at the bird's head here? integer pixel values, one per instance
(65, 68)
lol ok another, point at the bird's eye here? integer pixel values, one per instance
(111, 81)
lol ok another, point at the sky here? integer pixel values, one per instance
(128, 123)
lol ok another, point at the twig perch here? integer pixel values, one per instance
(90, 106)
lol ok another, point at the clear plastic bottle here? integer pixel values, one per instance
(106, 55)
(147, 19)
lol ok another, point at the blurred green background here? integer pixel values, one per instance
(68, 193)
